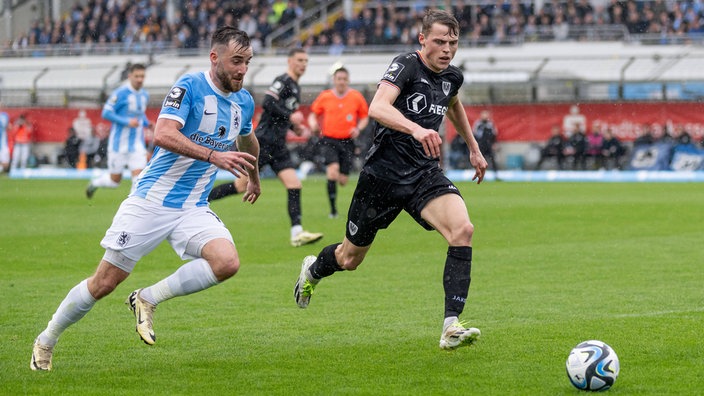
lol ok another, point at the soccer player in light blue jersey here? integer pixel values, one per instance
(126, 110)
(202, 116)
(4, 148)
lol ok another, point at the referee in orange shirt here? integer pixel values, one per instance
(344, 114)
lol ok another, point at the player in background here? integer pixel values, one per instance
(4, 147)
(402, 172)
(281, 101)
(126, 110)
(200, 119)
(344, 114)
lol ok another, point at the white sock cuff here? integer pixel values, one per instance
(84, 293)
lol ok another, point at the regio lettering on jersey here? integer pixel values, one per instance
(439, 110)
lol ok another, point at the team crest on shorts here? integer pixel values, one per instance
(353, 228)
(123, 238)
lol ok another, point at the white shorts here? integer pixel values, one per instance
(139, 226)
(117, 162)
(4, 155)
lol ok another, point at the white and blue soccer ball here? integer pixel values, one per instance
(592, 366)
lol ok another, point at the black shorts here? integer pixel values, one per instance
(275, 155)
(338, 150)
(376, 203)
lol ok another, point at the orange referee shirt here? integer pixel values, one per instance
(340, 113)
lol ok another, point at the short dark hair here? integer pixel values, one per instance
(224, 34)
(442, 17)
(294, 51)
(136, 66)
(341, 69)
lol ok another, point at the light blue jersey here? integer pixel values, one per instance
(123, 105)
(4, 149)
(210, 118)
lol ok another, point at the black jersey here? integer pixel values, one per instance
(424, 98)
(281, 99)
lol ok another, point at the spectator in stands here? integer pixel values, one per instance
(644, 136)
(22, 136)
(485, 134)
(71, 148)
(612, 150)
(338, 46)
(681, 136)
(554, 148)
(595, 143)
(459, 153)
(289, 15)
(661, 134)
(577, 148)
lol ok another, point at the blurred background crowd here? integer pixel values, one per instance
(148, 25)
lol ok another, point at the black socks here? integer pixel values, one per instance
(326, 264)
(456, 279)
(222, 191)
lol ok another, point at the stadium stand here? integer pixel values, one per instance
(512, 52)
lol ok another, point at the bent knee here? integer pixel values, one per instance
(462, 236)
(225, 267)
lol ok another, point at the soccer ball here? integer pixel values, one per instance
(593, 366)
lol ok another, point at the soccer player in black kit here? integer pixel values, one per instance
(402, 172)
(280, 114)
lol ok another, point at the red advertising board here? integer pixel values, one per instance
(525, 122)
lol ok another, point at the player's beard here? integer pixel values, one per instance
(227, 84)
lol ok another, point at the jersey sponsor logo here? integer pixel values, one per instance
(439, 110)
(221, 131)
(175, 97)
(208, 141)
(416, 103)
(446, 87)
(393, 71)
(353, 228)
(123, 238)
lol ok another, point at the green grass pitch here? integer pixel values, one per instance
(554, 264)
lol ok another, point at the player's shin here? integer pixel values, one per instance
(75, 306)
(191, 277)
(456, 279)
(326, 264)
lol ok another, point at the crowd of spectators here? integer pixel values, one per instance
(147, 25)
(601, 149)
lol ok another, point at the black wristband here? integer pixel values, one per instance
(209, 154)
